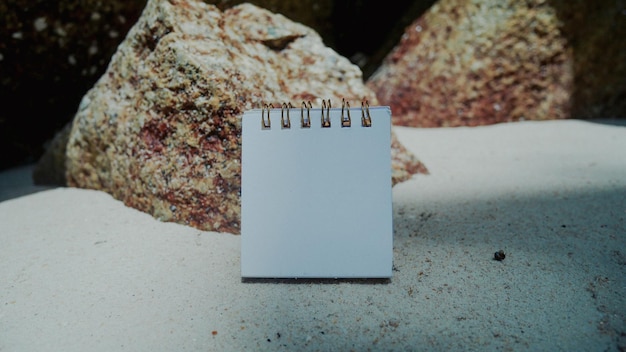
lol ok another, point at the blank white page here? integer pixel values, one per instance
(316, 202)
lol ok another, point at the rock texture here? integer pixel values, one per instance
(487, 61)
(160, 130)
(52, 52)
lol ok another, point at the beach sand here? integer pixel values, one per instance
(81, 271)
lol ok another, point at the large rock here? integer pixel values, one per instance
(76, 39)
(487, 61)
(160, 130)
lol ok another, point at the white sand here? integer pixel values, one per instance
(82, 272)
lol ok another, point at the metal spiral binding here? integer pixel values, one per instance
(346, 119)
(326, 119)
(307, 123)
(344, 122)
(365, 121)
(286, 106)
(267, 125)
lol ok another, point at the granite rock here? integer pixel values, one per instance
(479, 62)
(160, 130)
(52, 52)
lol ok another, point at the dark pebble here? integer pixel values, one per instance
(499, 255)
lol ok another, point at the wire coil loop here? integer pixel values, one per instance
(345, 122)
(326, 119)
(366, 119)
(266, 125)
(287, 124)
(305, 123)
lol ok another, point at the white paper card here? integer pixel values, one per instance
(316, 202)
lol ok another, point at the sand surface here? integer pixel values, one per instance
(82, 272)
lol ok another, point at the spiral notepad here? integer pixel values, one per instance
(316, 192)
